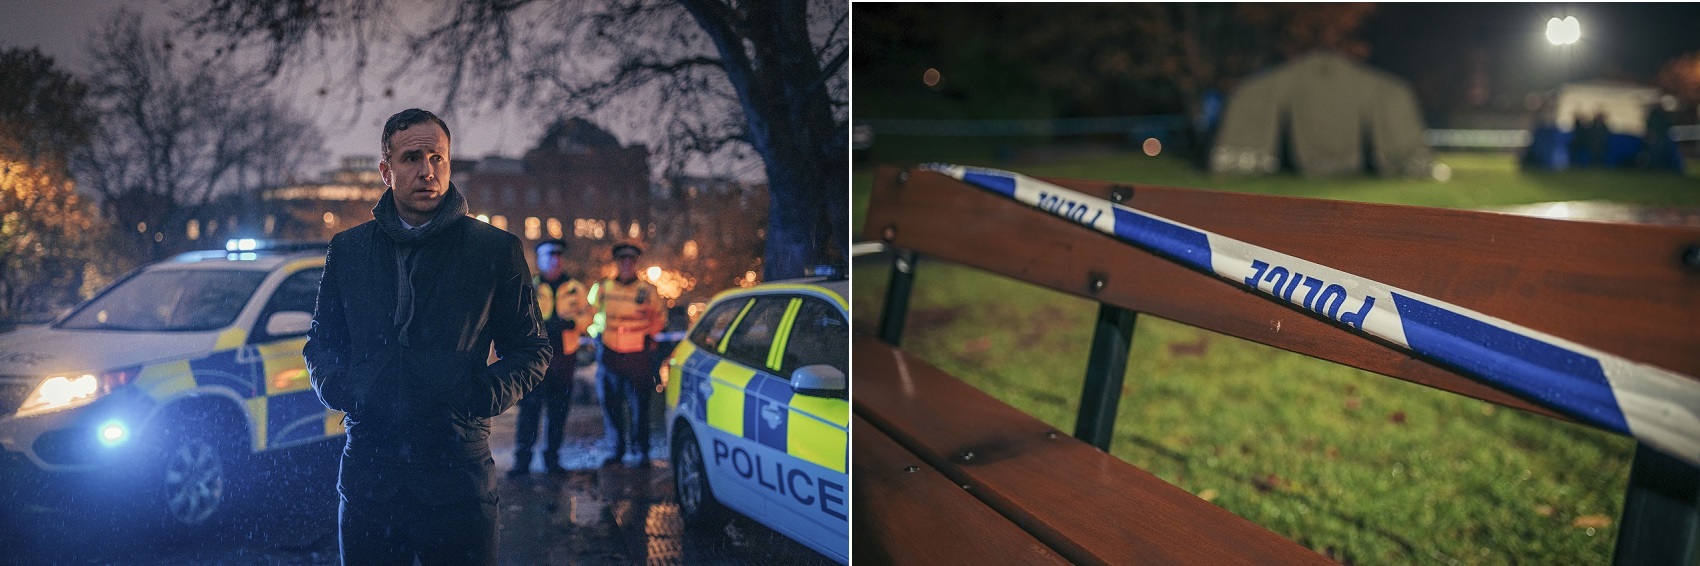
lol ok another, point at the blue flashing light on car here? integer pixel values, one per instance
(113, 433)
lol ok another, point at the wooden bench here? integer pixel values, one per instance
(943, 472)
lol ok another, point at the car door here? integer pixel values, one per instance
(289, 412)
(818, 425)
(746, 410)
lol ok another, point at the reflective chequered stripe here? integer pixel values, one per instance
(725, 401)
(766, 418)
(293, 412)
(165, 380)
(818, 431)
(761, 408)
(271, 380)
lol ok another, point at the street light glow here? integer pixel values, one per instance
(1565, 31)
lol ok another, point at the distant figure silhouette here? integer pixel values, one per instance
(1599, 137)
(1655, 146)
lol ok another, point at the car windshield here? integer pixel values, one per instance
(170, 300)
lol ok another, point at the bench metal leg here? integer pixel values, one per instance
(1104, 370)
(897, 296)
(1660, 518)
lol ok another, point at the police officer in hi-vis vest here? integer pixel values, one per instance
(566, 314)
(628, 314)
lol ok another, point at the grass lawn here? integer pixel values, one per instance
(1367, 469)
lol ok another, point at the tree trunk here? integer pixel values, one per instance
(781, 89)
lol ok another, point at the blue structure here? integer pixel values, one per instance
(1550, 150)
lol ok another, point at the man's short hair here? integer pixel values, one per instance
(551, 242)
(409, 117)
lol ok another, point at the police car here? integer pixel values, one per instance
(157, 389)
(759, 411)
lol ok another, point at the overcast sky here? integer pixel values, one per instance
(60, 29)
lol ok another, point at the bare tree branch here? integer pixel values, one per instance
(724, 76)
(178, 131)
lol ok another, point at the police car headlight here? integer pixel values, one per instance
(61, 392)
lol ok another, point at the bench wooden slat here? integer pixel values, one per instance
(1619, 288)
(1088, 505)
(922, 517)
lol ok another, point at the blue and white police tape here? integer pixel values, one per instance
(1658, 407)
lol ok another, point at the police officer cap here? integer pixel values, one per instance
(626, 250)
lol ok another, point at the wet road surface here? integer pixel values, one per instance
(590, 515)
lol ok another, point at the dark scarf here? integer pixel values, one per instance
(451, 210)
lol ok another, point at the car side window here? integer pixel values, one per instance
(750, 340)
(712, 328)
(818, 336)
(298, 292)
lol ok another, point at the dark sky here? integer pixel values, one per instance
(1485, 61)
(1440, 48)
(61, 28)
(1632, 38)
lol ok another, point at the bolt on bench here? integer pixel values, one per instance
(945, 473)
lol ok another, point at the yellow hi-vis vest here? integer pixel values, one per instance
(626, 313)
(567, 302)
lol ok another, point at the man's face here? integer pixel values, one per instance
(548, 258)
(418, 168)
(628, 267)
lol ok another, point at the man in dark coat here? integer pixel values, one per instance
(408, 308)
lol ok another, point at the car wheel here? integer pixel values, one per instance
(697, 506)
(190, 479)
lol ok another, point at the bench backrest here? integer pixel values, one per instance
(1628, 290)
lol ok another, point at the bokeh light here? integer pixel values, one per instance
(1565, 31)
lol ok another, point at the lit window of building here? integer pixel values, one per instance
(271, 224)
(499, 221)
(690, 251)
(533, 228)
(194, 230)
(554, 226)
(633, 232)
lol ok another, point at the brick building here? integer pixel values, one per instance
(578, 184)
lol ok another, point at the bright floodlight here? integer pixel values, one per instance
(1565, 31)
